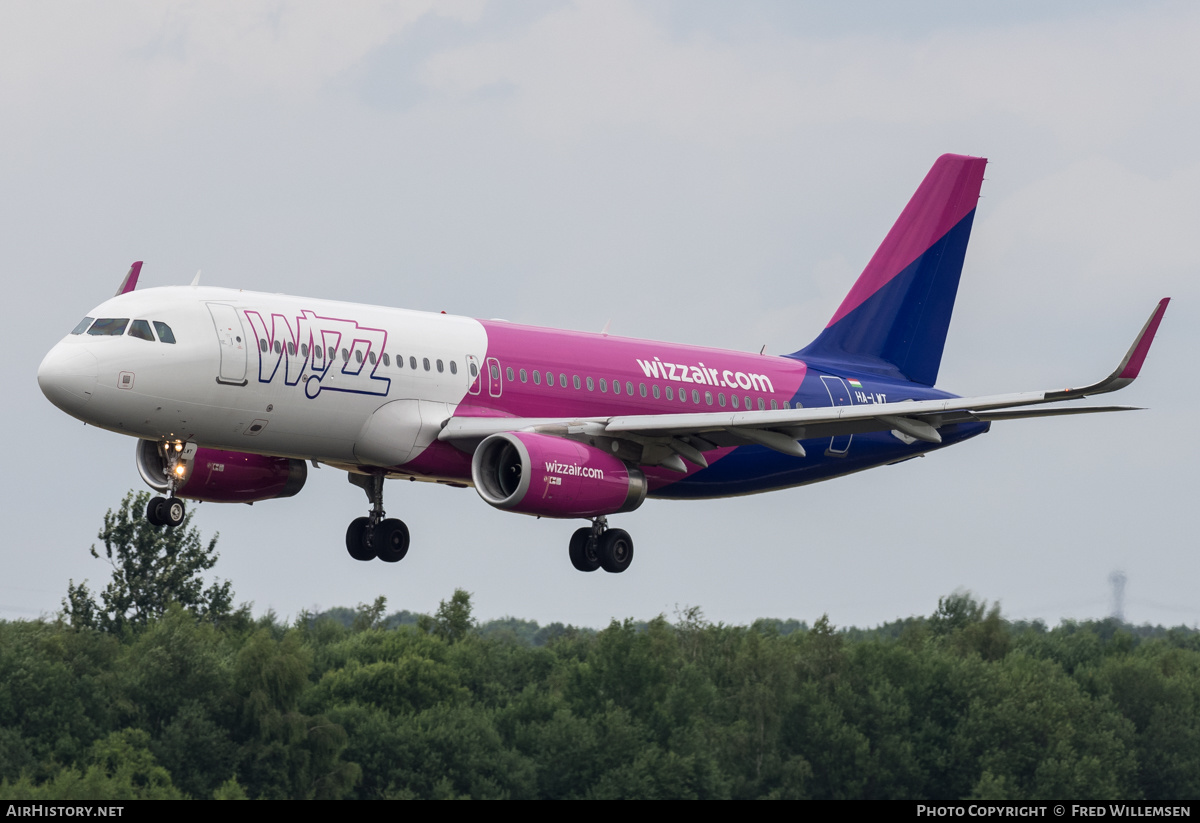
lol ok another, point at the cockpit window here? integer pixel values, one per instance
(141, 330)
(83, 325)
(109, 326)
(164, 332)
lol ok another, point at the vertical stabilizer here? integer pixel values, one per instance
(895, 318)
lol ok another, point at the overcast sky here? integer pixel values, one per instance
(701, 172)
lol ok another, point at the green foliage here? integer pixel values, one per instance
(121, 767)
(152, 567)
(961, 704)
(453, 620)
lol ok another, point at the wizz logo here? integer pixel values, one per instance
(325, 353)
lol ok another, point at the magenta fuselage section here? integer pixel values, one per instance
(531, 372)
(536, 372)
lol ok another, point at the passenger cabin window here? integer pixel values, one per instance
(508, 372)
(372, 358)
(412, 363)
(454, 369)
(537, 377)
(439, 366)
(109, 327)
(387, 360)
(141, 330)
(83, 325)
(425, 363)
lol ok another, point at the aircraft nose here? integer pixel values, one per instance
(67, 376)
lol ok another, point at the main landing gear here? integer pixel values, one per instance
(165, 511)
(373, 536)
(599, 547)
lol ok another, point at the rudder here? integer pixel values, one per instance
(895, 318)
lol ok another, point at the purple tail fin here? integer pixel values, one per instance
(895, 318)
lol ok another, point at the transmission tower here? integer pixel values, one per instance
(1117, 581)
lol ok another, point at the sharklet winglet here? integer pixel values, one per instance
(1130, 366)
(131, 279)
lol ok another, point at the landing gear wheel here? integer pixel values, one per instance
(156, 510)
(616, 550)
(583, 551)
(357, 539)
(391, 540)
(173, 511)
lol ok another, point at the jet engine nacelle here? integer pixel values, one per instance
(222, 476)
(550, 476)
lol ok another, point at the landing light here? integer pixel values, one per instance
(180, 470)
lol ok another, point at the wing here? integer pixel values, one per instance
(664, 438)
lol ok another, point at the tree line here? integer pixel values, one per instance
(159, 688)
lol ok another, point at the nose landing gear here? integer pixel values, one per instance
(165, 511)
(169, 511)
(374, 536)
(597, 546)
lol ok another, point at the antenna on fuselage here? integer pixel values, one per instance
(196, 279)
(607, 326)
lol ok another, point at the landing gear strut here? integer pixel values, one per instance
(373, 536)
(597, 546)
(169, 511)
